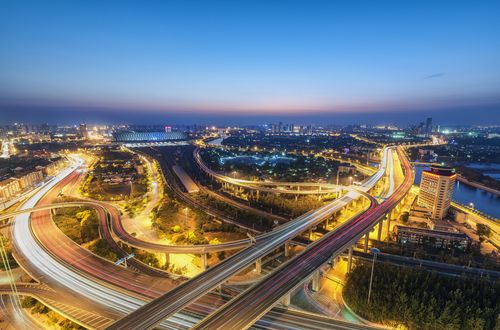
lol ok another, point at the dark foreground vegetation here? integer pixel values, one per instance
(422, 300)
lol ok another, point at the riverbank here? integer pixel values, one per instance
(478, 185)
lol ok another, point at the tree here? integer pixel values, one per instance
(404, 217)
(83, 216)
(419, 299)
(483, 231)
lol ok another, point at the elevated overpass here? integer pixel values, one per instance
(64, 264)
(166, 306)
(248, 307)
(291, 188)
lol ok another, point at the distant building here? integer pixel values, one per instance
(346, 168)
(436, 190)
(428, 126)
(168, 129)
(129, 136)
(84, 134)
(432, 238)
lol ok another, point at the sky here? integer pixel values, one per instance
(250, 61)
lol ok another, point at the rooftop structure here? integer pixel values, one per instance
(433, 238)
(186, 180)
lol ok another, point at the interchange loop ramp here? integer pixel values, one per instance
(248, 307)
(167, 305)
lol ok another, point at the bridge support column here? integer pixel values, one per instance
(204, 261)
(349, 260)
(286, 300)
(311, 234)
(287, 248)
(327, 223)
(367, 237)
(258, 266)
(315, 281)
(389, 223)
(379, 234)
(333, 262)
(167, 258)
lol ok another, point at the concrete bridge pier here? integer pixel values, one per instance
(286, 299)
(204, 261)
(258, 266)
(167, 258)
(333, 262)
(389, 223)
(287, 248)
(349, 260)
(379, 233)
(316, 276)
(367, 237)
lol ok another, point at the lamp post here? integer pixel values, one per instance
(185, 218)
(373, 251)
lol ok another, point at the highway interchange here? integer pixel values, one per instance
(96, 284)
(41, 264)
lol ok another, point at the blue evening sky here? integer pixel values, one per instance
(221, 59)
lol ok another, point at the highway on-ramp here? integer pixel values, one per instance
(96, 284)
(251, 305)
(167, 305)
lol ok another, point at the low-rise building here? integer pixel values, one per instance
(9, 188)
(432, 238)
(54, 167)
(30, 179)
(347, 168)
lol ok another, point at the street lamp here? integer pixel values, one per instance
(471, 205)
(373, 251)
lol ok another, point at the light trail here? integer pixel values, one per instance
(184, 294)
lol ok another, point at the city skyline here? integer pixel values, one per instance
(229, 63)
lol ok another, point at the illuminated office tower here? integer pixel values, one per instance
(436, 190)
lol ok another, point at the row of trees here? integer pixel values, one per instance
(288, 206)
(423, 300)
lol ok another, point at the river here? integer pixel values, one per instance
(484, 201)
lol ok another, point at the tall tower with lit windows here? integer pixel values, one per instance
(436, 190)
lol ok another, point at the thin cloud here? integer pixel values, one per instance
(435, 75)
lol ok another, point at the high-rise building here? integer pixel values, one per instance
(428, 126)
(83, 131)
(436, 190)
